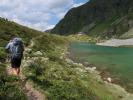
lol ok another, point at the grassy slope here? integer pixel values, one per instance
(10, 29)
(58, 77)
(10, 85)
(128, 34)
(114, 27)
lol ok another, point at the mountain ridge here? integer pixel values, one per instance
(88, 16)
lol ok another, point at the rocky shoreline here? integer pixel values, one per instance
(112, 87)
(108, 81)
(117, 42)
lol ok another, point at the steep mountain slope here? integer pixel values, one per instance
(98, 17)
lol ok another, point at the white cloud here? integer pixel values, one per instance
(61, 15)
(77, 4)
(50, 26)
(35, 13)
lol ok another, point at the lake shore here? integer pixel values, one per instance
(114, 88)
(117, 42)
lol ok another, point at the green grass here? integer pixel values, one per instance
(101, 28)
(59, 79)
(9, 29)
(83, 38)
(10, 87)
(2, 54)
(108, 60)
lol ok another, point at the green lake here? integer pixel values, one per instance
(118, 61)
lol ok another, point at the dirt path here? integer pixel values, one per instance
(29, 90)
(32, 93)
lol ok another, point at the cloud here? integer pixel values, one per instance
(35, 13)
(77, 4)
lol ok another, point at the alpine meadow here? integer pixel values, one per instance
(87, 55)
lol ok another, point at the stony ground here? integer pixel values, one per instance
(117, 42)
(30, 91)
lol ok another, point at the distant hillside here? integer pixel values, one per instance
(98, 17)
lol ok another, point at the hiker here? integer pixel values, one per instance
(16, 48)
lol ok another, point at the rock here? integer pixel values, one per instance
(75, 64)
(93, 68)
(28, 57)
(44, 59)
(61, 57)
(38, 53)
(28, 50)
(109, 79)
(80, 70)
(69, 61)
(34, 58)
(63, 54)
(86, 63)
(80, 64)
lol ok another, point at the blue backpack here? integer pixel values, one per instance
(17, 48)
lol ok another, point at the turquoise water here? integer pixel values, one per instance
(118, 61)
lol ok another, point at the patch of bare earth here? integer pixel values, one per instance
(29, 90)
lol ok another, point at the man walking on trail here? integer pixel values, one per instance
(16, 48)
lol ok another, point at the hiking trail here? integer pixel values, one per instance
(27, 87)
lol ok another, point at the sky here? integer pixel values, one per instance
(37, 14)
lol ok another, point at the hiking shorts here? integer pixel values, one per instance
(15, 62)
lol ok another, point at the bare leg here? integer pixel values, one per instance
(14, 71)
(18, 71)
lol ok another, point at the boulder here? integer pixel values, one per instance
(109, 80)
(38, 53)
(44, 59)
